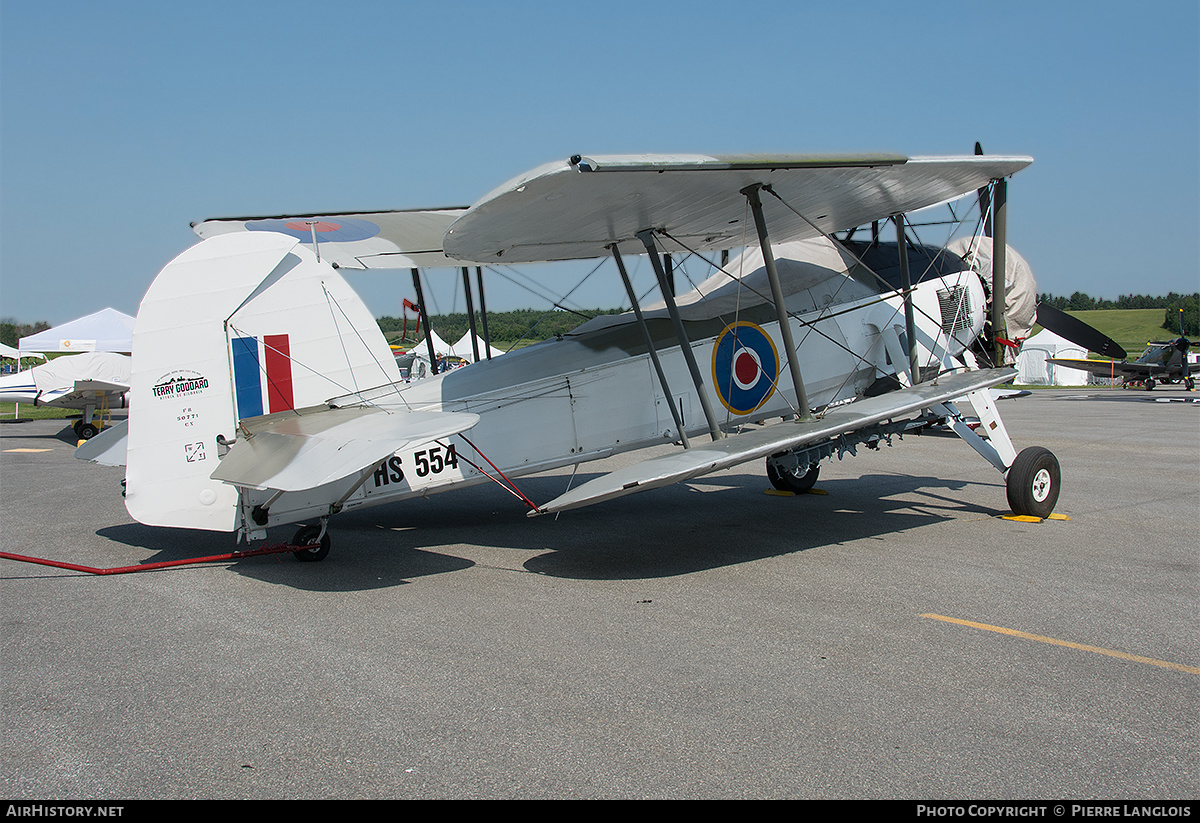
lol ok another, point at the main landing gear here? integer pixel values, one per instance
(1033, 482)
(316, 538)
(1032, 477)
(796, 482)
(85, 430)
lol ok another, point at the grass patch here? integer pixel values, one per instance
(32, 412)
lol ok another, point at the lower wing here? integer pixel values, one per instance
(741, 448)
(1108, 368)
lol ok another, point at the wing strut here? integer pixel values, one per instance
(910, 328)
(647, 238)
(487, 338)
(662, 377)
(416, 276)
(999, 267)
(466, 275)
(785, 326)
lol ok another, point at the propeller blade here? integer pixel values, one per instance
(985, 201)
(1182, 345)
(1078, 332)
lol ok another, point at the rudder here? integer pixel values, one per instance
(237, 326)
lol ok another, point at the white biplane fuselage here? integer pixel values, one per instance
(593, 393)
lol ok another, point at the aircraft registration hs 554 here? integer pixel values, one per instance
(264, 394)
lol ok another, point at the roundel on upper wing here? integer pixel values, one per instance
(745, 367)
(327, 229)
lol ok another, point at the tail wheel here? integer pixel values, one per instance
(1033, 482)
(785, 481)
(307, 536)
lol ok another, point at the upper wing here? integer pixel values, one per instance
(1109, 368)
(736, 449)
(579, 208)
(362, 240)
(307, 448)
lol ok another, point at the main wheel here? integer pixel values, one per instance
(87, 431)
(307, 536)
(787, 482)
(1033, 482)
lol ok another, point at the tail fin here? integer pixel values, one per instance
(237, 326)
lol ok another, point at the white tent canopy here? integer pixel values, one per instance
(1033, 370)
(106, 330)
(466, 351)
(13, 354)
(440, 346)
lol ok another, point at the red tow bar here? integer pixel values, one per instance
(144, 567)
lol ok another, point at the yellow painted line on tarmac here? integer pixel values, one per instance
(1080, 646)
(28, 451)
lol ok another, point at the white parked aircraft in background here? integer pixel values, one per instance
(90, 382)
(264, 394)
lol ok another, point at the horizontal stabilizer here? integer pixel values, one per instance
(307, 448)
(108, 447)
(740, 448)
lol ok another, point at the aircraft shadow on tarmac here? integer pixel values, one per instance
(667, 532)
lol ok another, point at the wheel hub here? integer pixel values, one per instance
(1041, 485)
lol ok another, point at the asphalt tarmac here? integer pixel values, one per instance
(894, 637)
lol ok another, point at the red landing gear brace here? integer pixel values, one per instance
(279, 548)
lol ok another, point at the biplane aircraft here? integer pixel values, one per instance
(287, 406)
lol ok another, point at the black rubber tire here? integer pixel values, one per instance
(1033, 482)
(788, 482)
(307, 536)
(87, 431)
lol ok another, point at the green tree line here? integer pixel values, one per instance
(523, 325)
(11, 331)
(1171, 304)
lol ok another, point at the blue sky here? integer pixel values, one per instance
(122, 122)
